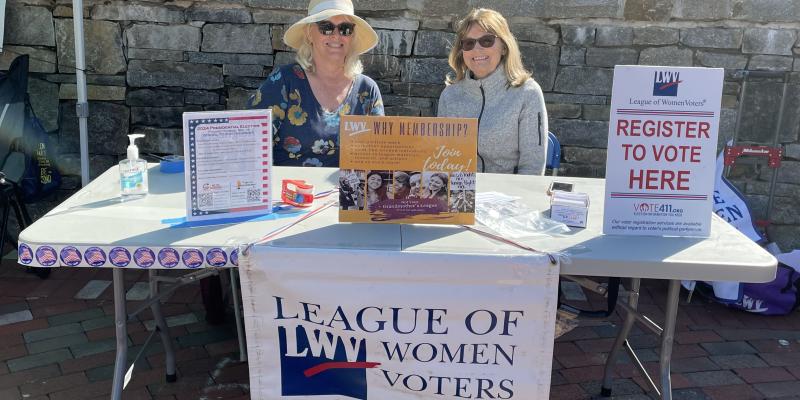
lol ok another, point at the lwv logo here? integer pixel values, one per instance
(753, 305)
(318, 363)
(665, 83)
(355, 127)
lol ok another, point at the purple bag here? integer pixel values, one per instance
(778, 297)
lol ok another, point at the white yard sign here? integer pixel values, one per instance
(333, 324)
(662, 144)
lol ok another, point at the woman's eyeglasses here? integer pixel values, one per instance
(327, 28)
(485, 41)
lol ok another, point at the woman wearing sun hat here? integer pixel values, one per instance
(308, 97)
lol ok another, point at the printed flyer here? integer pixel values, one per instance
(228, 156)
(408, 170)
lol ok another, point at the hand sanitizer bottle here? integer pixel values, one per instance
(133, 172)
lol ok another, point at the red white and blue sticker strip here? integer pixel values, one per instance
(125, 257)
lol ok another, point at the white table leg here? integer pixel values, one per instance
(237, 312)
(163, 329)
(121, 328)
(667, 337)
(622, 337)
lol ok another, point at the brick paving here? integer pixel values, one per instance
(62, 347)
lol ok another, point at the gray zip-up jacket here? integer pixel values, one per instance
(512, 130)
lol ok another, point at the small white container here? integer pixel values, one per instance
(570, 208)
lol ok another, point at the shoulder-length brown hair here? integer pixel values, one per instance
(493, 22)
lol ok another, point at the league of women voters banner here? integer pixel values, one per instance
(407, 169)
(352, 324)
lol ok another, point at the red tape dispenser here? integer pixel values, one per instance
(297, 193)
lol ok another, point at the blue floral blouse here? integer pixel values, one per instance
(303, 133)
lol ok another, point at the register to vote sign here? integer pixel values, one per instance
(662, 142)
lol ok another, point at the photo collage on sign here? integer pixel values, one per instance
(401, 185)
(351, 189)
(462, 192)
(359, 188)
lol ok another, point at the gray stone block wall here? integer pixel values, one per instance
(149, 61)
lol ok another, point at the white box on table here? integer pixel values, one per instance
(570, 208)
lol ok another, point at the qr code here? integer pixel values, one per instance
(253, 194)
(205, 200)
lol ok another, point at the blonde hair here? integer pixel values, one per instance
(493, 22)
(305, 56)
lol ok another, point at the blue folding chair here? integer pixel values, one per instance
(553, 160)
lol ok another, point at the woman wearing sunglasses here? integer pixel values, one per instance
(308, 97)
(491, 84)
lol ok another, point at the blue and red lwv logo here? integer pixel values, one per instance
(665, 83)
(316, 363)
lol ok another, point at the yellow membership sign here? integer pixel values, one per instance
(406, 170)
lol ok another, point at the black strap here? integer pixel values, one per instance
(612, 295)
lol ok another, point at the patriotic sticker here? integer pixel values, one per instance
(216, 257)
(144, 257)
(25, 254)
(70, 256)
(119, 256)
(235, 257)
(46, 256)
(95, 256)
(192, 258)
(168, 257)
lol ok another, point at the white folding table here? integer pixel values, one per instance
(95, 227)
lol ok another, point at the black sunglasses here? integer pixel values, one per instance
(485, 41)
(327, 28)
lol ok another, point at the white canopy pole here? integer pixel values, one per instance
(2, 22)
(82, 108)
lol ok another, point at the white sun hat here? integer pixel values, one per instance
(320, 10)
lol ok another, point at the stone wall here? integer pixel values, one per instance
(149, 61)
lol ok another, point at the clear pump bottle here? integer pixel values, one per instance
(133, 172)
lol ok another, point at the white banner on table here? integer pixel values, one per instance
(328, 324)
(662, 143)
(228, 156)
